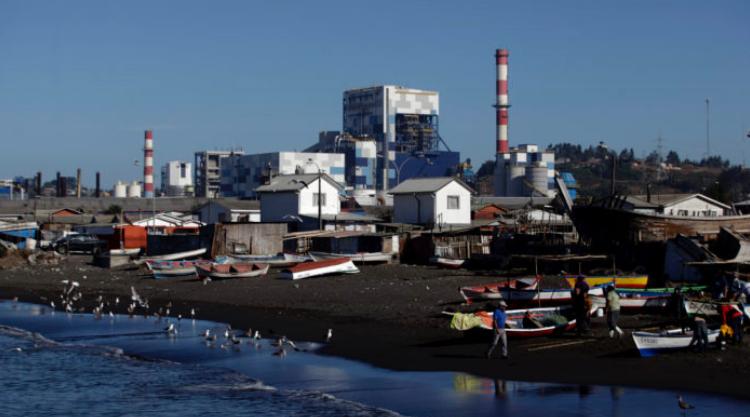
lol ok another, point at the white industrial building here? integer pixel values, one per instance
(525, 171)
(177, 179)
(242, 175)
(432, 201)
(223, 210)
(288, 197)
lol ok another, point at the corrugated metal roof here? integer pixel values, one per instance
(510, 202)
(282, 183)
(425, 185)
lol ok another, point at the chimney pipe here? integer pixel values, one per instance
(502, 104)
(58, 186)
(98, 191)
(148, 165)
(78, 183)
(38, 183)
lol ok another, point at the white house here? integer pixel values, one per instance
(685, 205)
(434, 201)
(288, 197)
(229, 210)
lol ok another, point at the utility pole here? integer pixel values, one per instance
(708, 128)
(320, 197)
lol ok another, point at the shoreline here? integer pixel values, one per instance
(389, 317)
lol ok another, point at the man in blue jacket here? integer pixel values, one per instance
(498, 330)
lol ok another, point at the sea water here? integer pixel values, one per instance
(54, 363)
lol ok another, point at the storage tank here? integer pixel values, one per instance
(134, 189)
(536, 176)
(516, 176)
(121, 190)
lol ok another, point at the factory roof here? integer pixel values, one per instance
(286, 183)
(425, 185)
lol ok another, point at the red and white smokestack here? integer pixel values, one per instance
(501, 107)
(148, 165)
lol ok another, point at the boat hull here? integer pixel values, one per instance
(490, 292)
(320, 268)
(650, 344)
(227, 272)
(447, 262)
(357, 258)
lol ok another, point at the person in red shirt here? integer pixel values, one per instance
(732, 318)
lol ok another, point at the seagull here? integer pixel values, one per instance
(52, 304)
(69, 308)
(256, 336)
(249, 333)
(684, 406)
(329, 336)
(171, 329)
(111, 314)
(206, 280)
(117, 300)
(192, 313)
(206, 332)
(226, 333)
(291, 343)
(135, 296)
(15, 299)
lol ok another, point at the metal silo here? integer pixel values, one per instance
(516, 176)
(121, 190)
(536, 178)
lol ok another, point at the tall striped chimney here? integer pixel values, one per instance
(148, 165)
(501, 107)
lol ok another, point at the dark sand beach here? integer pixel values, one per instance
(390, 316)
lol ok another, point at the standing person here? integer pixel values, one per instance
(580, 292)
(612, 308)
(700, 334)
(732, 317)
(677, 306)
(498, 330)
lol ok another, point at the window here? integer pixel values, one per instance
(183, 171)
(454, 202)
(319, 197)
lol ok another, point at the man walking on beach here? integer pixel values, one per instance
(613, 312)
(498, 330)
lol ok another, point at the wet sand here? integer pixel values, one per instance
(390, 316)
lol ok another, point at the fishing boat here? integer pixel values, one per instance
(650, 344)
(358, 258)
(631, 281)
(489, 292)
(173, 269)
(174, 256)
(447, 262)
(215, 270)
(522, 323)
(318, 268)
(632, 300)
(539, 297)
(665, 290)
(274, 261)
(706, 307)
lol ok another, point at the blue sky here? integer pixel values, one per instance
(80, 81)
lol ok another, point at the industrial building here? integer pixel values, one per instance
(207, 177)
(360, 157)
(523, 170)
(241, 175)
(403, 122)
(177, 179)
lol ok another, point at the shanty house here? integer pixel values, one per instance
(229, 210)
(684, 205)
(286, 198)
(432, 201)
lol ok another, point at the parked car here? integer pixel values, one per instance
(79, 243)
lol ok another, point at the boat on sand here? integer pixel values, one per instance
(650, 344)
(489, 292)
(235, 270)
(319, 268)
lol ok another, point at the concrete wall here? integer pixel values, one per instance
(414, 209)
(307, 203)
(97, 205)
(444, 215)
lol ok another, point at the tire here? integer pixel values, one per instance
(62, 250)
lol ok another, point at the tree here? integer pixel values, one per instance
(487, 168)
(673, 158)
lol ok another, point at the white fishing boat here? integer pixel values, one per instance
(360, 257)
(545, 297)
(275, 261)
(173, 256)
(215, 270)
(173, 269)
(639, 300)
(449, 263)
(319, 268)
(650, 344)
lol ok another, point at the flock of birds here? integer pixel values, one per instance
(70, 301)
